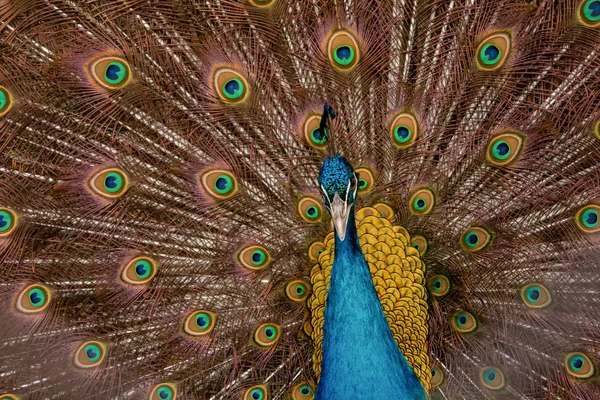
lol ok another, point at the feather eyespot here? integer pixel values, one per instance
(254, 257)
(163, 391)
(579, 365)
(404, 130)
(33, 299)
(230, 85)
(315, 250)
(310, 210)
(139, 271)
(8, 396)
(313, 134)
(504, 148)
(492, 378)
(385, 211)
(419, 243)
(365, 180)
(535, 295)
(258, 392)
(110, 183)
(6, 101)
(219, 184)
(589, 13)
(302, 391)
(8, 221)
(493, 51)
(267, 334)
(439, 285)
(90, 354)
(297, 290)
(199, 323)
(464, 322)
(111, 72)
(343, 50)
(437, 377)
(475, 239)
(588, 219)
(422, 202)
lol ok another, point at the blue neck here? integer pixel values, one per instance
(361, 359)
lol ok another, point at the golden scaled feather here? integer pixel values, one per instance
(158, 164)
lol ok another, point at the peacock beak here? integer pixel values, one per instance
(340, 211)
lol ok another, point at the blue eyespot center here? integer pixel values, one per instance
(111, 181)
(421, 203)
(269, 332)
(592, 10)
(534, 294)
(578, 363)
(492, 53)
(140, 269)
(305, 390)
(300, 290)
(113, 72)
(343, 52)
(4, 220)
(462, 319)
(35, 298)
(472, 239)
(437, 284)
(165, 393)
(221, 183)
(491, 376)
(232, 86)
(201, 321)
(503, 148)
(91, 353)
(591, 218)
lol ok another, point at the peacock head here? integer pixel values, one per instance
(339, 184)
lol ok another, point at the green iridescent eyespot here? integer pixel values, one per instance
(402, 134)
(230, 85)
(90, 354)
(475, 239)
(253, 257)
(588, 218)
(223, 184)
(199, 323)
(297, 290)
(579, 365)
(492, 378)
(535, 295)
(267, 334)
(343, 50)
(589, 13)
(8, 221)
(258, 392)
(422, 202)
(504, 148)
(302, 391)
(404, 130)
(109, 183)
(219, 184)
(464, 322)
(318, 136)
(366, 180)
(493, 51)
(111, 72)
(33, 299)
(6, 101)
(139, 271)
(437, 377)
(309, 210)
(439, 285)
(163, 391)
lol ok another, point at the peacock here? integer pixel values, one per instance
(299, 199)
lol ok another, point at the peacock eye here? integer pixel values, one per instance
(587, 218)
(493, 51)
(589, 13)
(342, 48)
(258, 392)
(199, 323)
(163, 391)
(464, 322)
(422, 202)
(504, 148)
(315, 250)
(302, 391)
(8, 396)
(231, 86)
(6, 101)
(110, 183)
(111, 72)
(33, 299)
(437, 377)
(419, 243)
(385, 211)
(297, 290)
(254, 257)
(139, 271)
(219, 184)
(475, 239)
(309, 210)
(314, 135)
(267, 334)
(8, 221)
(535, 295)
(492, 378)
(579, 365)
(90, 354)
(404, 130)
(365, 180)
(439, 285)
